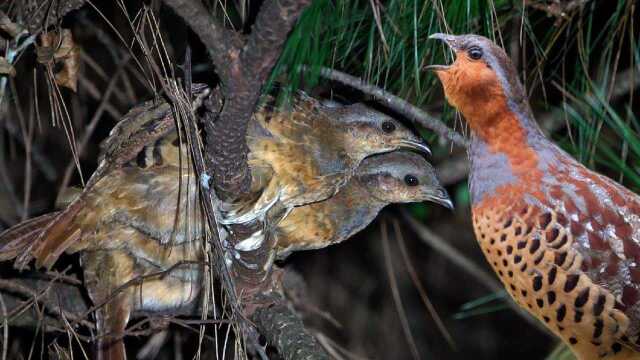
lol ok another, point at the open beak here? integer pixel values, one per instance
(440, 196)
(416, 145)
(451, 41)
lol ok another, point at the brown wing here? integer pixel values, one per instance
(16, 240)
(144, 193)
(56, 237)
(603, 218)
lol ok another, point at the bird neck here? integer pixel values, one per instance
(362, 207)
(507, 147)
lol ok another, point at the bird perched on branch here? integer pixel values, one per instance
(564, 240)
(138, 224)
(396, 177)
(139, 231)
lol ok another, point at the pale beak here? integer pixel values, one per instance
(440, 196)
(416, 145)
(451, 41)
(446, 38)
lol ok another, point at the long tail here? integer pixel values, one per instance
(17, 240)
(55, 238)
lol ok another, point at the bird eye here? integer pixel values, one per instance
(411, 180)
(475, 53)
(388, 127)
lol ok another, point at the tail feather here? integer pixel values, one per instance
(16, 240)
(60, 233)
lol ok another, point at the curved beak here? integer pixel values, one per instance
(416, 145)
(440, 196)
(451, 41)
(446, 38)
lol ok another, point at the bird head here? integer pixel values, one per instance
(482, 78)
(369, 132)
(402, 177)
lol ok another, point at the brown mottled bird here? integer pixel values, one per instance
(564, 240)
(135, 222)
(306, 152)
(143, 218)
(397, 177)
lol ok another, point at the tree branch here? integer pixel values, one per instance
(243, 68)
(282, 327)
(221, 43)
(397, 104)
(226, 142)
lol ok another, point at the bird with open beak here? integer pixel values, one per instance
(564, 240)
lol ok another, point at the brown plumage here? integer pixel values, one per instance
(142, 217)
(397, 177)
(564, 240)
(305, 152)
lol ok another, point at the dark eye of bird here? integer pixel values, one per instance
(388, 127)
(475, 53)
(411, 180)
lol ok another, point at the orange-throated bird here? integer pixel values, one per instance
(397, 177)
(563, 239)
(143, 218)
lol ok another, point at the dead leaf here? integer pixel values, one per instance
(59, 52)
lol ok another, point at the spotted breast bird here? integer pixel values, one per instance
(305, 152)
(396, 177)
(564, 240)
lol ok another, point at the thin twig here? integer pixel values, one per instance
(93, 123)
(468, 266)
(421, 290)
(397, 104)
(397, 299)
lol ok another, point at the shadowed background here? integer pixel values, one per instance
(579, 60)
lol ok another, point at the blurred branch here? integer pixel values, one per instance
(397, 104)
(97, 115)
(441, 246)
(458, 259)
(560, 9)
(39, 158)
(453, 170)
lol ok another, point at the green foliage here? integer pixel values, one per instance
(568, 62)
(561, 352)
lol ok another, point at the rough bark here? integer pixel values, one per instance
(243, 67)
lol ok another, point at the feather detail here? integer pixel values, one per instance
(59, 234)
(15, 240)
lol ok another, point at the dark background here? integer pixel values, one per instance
(568, 61)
